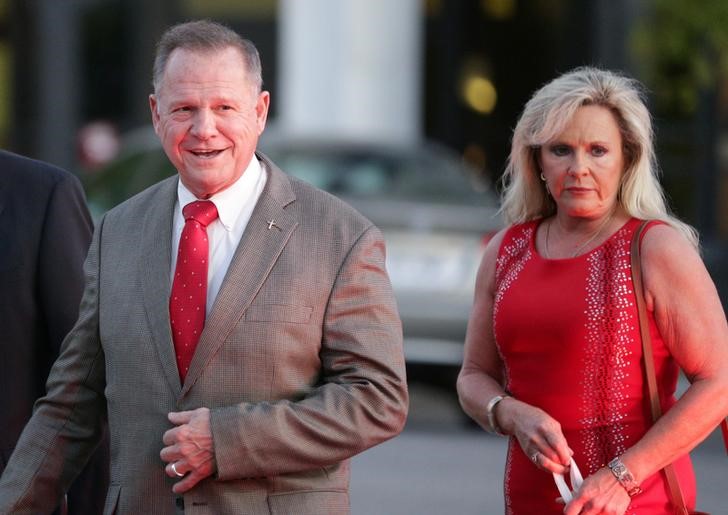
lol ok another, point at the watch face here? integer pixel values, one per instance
(617, 467)
(624, 477)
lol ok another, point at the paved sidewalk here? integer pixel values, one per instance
(441, 466)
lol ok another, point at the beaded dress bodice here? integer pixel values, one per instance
(568, 335)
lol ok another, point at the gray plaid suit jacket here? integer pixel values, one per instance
(300, 363)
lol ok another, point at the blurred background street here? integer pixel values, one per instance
(440, 465)
(367, 78)
(406, 74)
(361, 79)
(404, 108)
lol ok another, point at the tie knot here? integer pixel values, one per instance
(204, 211)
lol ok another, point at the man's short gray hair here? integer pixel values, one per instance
(205, 36)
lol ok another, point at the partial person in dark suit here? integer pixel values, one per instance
(44, 236)
(239, 373)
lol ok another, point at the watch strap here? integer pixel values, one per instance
(624, 477)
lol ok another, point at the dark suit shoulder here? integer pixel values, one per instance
(22, 173)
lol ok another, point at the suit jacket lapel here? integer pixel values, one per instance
(156, 260)
(259, 248)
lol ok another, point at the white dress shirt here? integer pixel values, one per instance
(234, 205)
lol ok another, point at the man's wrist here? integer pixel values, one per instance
(624, 477)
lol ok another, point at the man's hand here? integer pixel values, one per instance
(189, 448)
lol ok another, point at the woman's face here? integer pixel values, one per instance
(583, 165)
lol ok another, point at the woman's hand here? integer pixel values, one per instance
(599, 494)
(538, 434)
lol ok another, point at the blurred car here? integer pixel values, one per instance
(436, 215)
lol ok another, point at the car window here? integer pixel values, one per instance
(385, 175)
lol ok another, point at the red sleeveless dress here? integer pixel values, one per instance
(568, 334)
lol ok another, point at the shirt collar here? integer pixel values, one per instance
(230, 201)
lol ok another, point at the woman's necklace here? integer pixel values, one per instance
(583, 245)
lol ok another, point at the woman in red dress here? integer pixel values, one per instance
(553, 350)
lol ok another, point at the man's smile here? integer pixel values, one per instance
(207, 154)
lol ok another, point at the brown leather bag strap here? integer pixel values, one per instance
(678, 500)
(649, 361)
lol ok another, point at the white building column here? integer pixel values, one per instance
(351, 69)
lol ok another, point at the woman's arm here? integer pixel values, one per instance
(691, 320)
(481, 376)
(481, 379)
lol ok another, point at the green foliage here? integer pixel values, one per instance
(126, 176)
(682, 49)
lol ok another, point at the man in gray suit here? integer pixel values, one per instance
(252, 398)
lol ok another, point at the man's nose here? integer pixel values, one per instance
(203, 124)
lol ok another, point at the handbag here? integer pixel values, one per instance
(676, 495)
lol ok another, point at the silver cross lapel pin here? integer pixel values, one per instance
(271, 224)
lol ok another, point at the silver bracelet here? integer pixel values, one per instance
(489, 411)
(624, 477)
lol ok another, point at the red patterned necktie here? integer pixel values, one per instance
(189, 287)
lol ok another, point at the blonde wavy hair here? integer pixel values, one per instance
(546, 115)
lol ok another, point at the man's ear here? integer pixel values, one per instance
(154, 108)
(261, 110)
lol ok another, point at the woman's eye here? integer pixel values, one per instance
(559, 150)
(598, 151)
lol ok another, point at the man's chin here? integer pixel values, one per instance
(203, 187)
